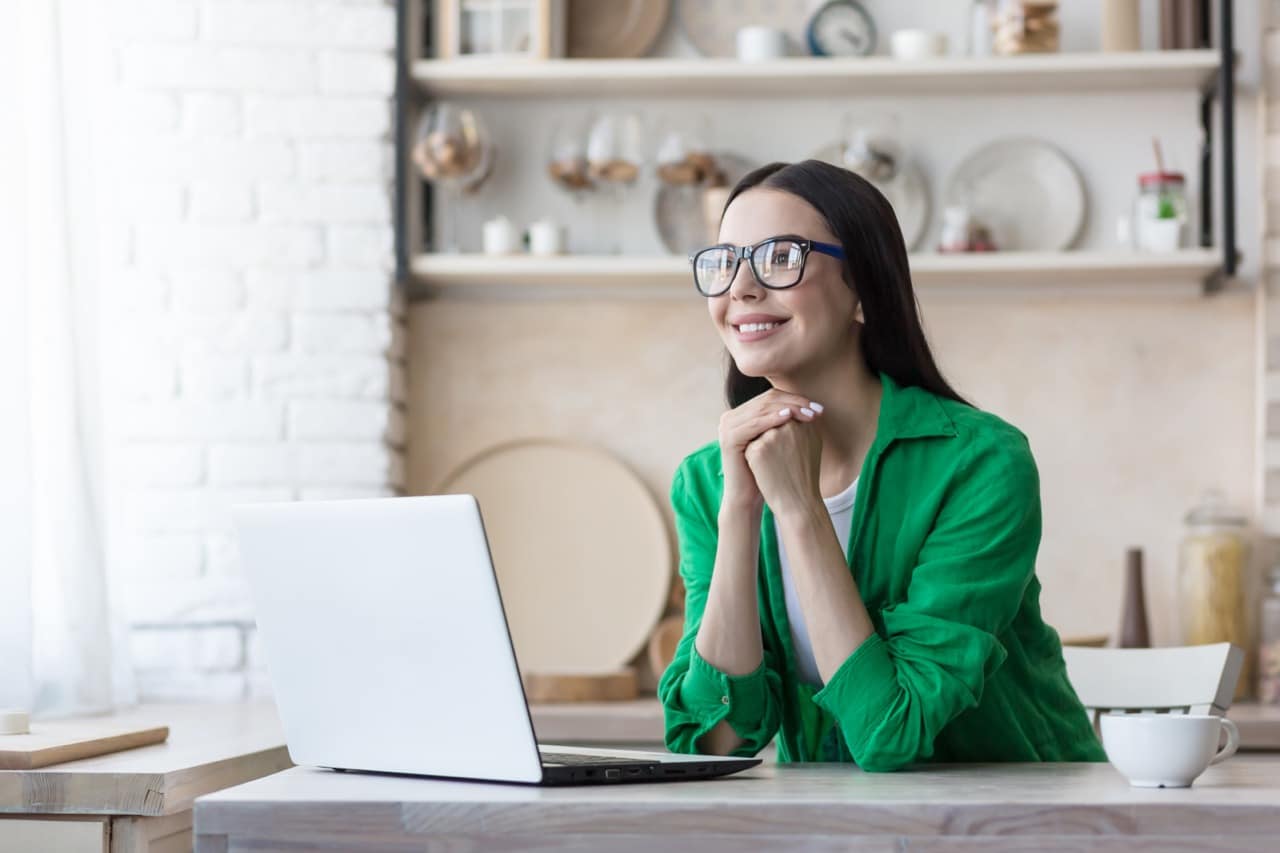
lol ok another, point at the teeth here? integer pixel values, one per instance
(756, 327)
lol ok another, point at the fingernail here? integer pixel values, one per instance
(784, 413)
(817, 407)
(807, 412)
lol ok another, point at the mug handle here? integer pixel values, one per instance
(1233, 742)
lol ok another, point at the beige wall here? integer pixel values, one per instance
(1132, 405)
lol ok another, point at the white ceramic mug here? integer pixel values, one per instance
(1166, 750)
(499, 236)
(545, 238)
(761, 44)
(917, 44)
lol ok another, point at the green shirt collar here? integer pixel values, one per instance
(910, 412)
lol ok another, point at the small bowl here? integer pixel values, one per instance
(917, 44)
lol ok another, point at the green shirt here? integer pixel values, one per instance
(961, 667)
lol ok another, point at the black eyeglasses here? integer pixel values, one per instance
(777, 263)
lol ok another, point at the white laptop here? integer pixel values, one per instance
(388, 648)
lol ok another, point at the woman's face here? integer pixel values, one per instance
(815, 318)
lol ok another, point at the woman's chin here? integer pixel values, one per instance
(754, 366)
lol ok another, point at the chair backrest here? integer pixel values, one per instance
(1185, 679)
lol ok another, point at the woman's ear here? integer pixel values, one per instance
(857, 312)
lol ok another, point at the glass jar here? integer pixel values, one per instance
(1214, 581)
(1269, 643)
(1160, 211)
(954, 236)
(1025, 26)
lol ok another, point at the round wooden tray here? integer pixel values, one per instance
(580, 547)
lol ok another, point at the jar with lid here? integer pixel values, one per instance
(1160, 212)
(1269, 642)
(1214, 581)
(1025, 26)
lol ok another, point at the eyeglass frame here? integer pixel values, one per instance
(745, 252)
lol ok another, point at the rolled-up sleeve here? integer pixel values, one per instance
(695, 695)
(896, 691)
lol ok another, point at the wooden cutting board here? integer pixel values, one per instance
(55, 741)
(663, 642)
(617, 686)
(580, 547)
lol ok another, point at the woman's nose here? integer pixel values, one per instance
(744, 283)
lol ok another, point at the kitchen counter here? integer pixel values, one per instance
(640, 723)
(1087, 806)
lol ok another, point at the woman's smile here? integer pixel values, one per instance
(750, 329)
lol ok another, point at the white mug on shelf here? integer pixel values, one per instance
(761, 44)
(546, 238)
(500, 237)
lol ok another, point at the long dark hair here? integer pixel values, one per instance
(876, 269)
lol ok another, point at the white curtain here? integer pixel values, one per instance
(57, 656)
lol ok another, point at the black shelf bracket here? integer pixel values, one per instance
(1224, 90)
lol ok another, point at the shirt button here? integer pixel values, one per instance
(724, 700)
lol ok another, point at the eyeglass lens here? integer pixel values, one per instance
(777, 264)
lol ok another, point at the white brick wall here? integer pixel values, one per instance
(256, 348)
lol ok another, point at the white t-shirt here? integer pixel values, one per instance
(841, 509)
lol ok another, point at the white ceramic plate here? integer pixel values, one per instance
(1025, 190)
(908, 194)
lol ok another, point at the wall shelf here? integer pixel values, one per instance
(1194, 70)
(668, 275)
(1207, 71)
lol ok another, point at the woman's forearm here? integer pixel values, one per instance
(729, 635)
(837, 619)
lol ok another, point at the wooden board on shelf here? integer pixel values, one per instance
(814, 76)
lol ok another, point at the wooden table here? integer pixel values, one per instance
(141, 799)
(1085, 807)
(640, 723)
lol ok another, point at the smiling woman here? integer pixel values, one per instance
(858, 546)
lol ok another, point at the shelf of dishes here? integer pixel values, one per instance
(1182, 270)
(825, 76)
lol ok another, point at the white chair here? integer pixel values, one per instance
(1178, 680)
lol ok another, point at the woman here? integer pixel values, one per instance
(858, 547)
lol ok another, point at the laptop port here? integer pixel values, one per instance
(590, 773)
(633, 771)
(613, 773)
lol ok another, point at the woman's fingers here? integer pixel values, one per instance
(754, 418)
(753, 425)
